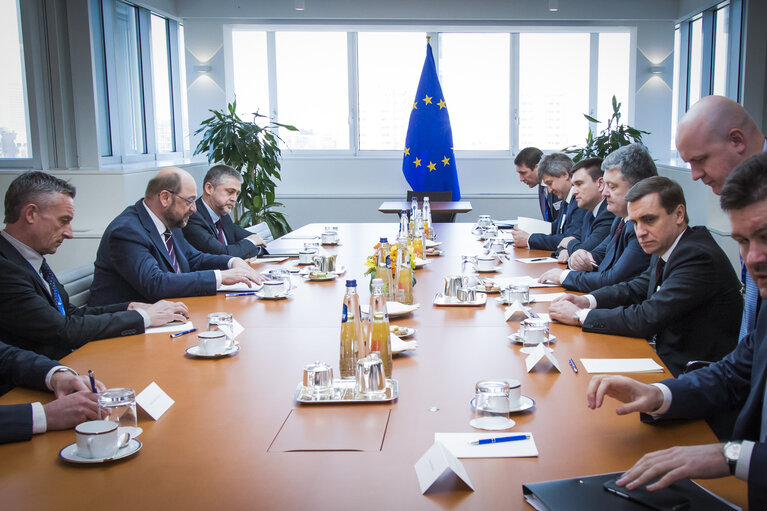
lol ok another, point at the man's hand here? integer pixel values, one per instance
(163, 312)
(552, 276)
(563, 256)
(241, 272)
(258, 240)
(69, 411)
(638, 397)
(520, 237)
(671, 465)
(581, 260)
(565, 241)
(564, 311)
(64, 383)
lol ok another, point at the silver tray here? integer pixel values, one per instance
(343, 392)
(445, 301)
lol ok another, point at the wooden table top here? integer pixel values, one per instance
(462, 206)
(210, 449)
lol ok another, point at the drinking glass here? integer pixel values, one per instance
(119, 405)
(222, 321)
(491, 405)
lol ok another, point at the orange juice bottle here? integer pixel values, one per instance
(378, 327)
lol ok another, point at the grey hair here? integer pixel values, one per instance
(554, 165)
(218, 173)
(33, 187)
(633, 161)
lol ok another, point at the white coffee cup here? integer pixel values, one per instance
(212, 342)
(534, 331)
(486, 263)
(498, 245)
(273, 288)
(99, 439)
(305, 256)
(515, 394)
(329, 237)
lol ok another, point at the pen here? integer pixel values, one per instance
(93, 382)
(499, 439)
(538, 259)
(244, 293)
(179, 334)
(572, 364)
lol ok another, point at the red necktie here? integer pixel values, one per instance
(619, 230)
(169, 245)
(220, 229)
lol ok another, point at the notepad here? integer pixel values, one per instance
(535, 260)
(546, 297)
(621, 365)
(240, 286)
(459, 445)
(170, 327)
(533, 225)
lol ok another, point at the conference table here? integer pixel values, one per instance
(219, 445)
(453, 207)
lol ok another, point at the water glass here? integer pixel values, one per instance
(491, 405)
(119, 406)
(222, 321)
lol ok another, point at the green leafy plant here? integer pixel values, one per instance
(615, 135)
(253, 151)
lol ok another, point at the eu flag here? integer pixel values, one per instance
(429, 162)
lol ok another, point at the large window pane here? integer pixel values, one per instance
(389, 66)
(14, 121)
(251, 78)
(182, 88)
(163, 95)
(694, 79)
(312, 89)
(100, 72)
(474, 73)
(129, 80)
(553, 89)
(614, 59)
(721, 47)
(675, 88)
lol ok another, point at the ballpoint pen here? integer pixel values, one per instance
(538, 259)
(572, 364)
(179, 334)
(497, 440)
(93, 382)
(244, 293)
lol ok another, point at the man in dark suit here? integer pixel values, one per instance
(554, 172)
(737, 382)
(688, 301)
(210, 228)
(34, 306)
(74, 403)
(619, 257)
(526, 162)
(143, 254)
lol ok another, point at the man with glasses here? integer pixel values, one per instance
(143, 255)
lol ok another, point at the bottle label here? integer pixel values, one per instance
(344, 314)
(388, 261)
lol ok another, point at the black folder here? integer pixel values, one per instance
(588, 493)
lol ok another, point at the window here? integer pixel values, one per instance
(614, 72)
(675, 87)
(313, 89)
(250, 72)
(389, 66)
(695, 75)
(474, 74)
(721, 46)
(129, 79)
(163, 94)
(184, 104)
(14, 116)
(553, 89)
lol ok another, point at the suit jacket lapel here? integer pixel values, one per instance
(10, 253)
(203, 211)
(748, 425)
(159, 243)
(183, 263)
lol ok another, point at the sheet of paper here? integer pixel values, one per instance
(503, 282)
(621, 365)
(434, 463)
(459, 445)
(154, 400)
(240, 286)
(537, 354)
(268, 259)
(532, 225)
(170, 328)
(536, 260)
(546, 297)
(504, 224)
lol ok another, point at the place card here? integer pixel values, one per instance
(154, 400)
(538, 353)
(517, 310)
(436, 462)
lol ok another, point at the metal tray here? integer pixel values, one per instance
(343, 392)
(444, 301)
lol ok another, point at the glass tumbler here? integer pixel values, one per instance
(119, 405)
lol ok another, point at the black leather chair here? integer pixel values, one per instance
(437, 217)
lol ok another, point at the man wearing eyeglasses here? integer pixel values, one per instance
(143, 254)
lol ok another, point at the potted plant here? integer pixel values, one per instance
(252, 150)
(609, 139)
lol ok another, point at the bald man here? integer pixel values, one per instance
(143, 253)
(715, 136)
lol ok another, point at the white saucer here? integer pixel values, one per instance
(515, 338)
(261, 296)
(328, 276)
(492, 423)
(525, 403)
(69, 453)
(409, 332)
(500, 300)
(195, 352)
(492, 270)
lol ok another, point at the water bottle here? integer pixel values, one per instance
(384, 269)
(353, 345)
(378, 327)
(427, 229)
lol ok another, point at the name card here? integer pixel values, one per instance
(437, 461)
(154, 401)
(539, 353)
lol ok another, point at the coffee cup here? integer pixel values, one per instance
(491, 398)
(99, 439)
(305, 256)
(486, 263)
(516, 293)
(212, 342)
(484, 221)
(273, 288)
(515, 394)
(534, 331)
(328, 237)
(497, 245)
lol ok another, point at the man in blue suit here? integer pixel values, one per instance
(74, 403)
(143, 255)
(554, 172)
(210, 228)
(619, 257)
(735, 382)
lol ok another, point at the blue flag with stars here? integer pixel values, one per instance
(429, 163)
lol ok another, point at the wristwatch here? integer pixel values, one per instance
(731, 451)
(577, 317)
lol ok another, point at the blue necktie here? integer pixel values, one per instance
(171, 252)
(749, 307)
(47, 274)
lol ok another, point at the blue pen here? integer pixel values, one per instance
(244, 293)
(500, 439)
(179, 334)
(572, 364)
(93, 382)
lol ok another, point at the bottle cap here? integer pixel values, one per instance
(351, 283)
(384, 240)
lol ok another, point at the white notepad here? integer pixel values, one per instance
(458, 444)
(621, 365)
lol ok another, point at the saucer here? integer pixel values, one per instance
(491, 270)
(408, 332)
(195, 352)
(505, 302)
(483, 289)
(492, 423)
(515, 338)
(260, 295)
(328, 276)
(69, 453)
(525, 403)
(304, 264)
